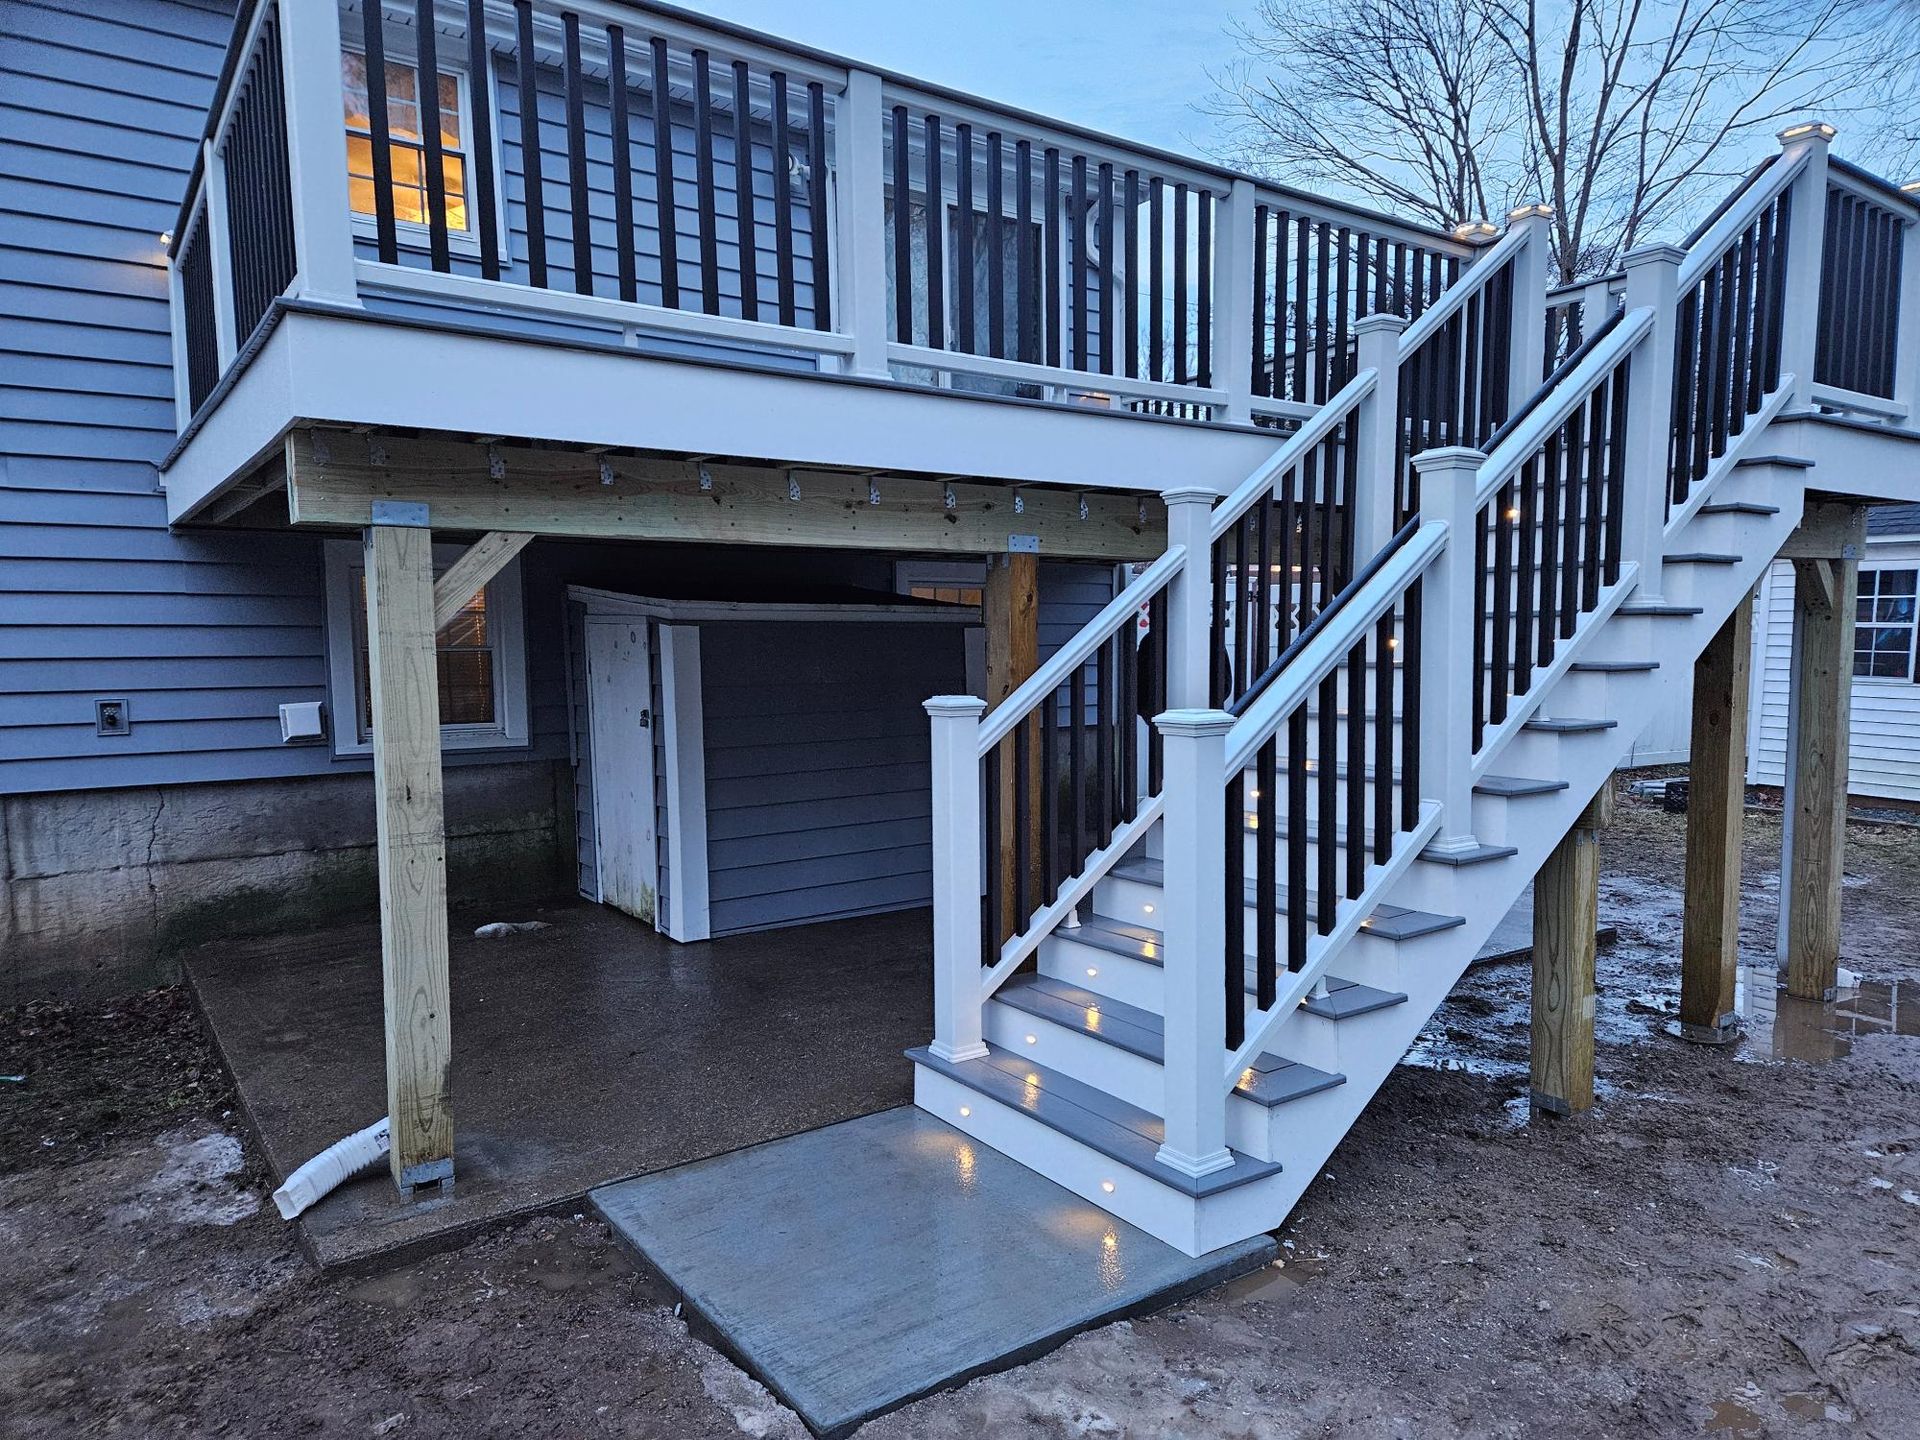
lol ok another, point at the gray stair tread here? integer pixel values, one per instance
(1703, 557)
(1658, 610)
(1346, 998)
(1795, 462)
(1613, 667)
(1123, 1133)
(1270, 1079)
(1388, 922)
(1514, 786)
(1567, 725)
(1739, 507)
(1478, 855)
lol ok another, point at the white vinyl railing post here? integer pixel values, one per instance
(1806, 256)
(860, 212)
(219, 242)
(1232, 300)
(1653, 281)
(317, 152)
(1195, 1006)
(1906, 354)
(1190, 599)
(1377, 348)
(957, 997)
(1532, 268)
(1449, 491)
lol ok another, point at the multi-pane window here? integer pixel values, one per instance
(1884, 623)
(947, 594)
(409, 188)
(468, 695)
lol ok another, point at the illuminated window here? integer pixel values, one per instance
(408, 148)
(465, 653)
(947, 594)
(1884, 624)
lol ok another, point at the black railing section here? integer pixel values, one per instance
(259, 187)
(1312, 280)
(1860, 280)
(646, 171)
(1045, 255)
(1727, 345)
(197, 310)
(1281, 563)
(1545, 545)
(1571, 322)
(1454, 386)
(1331, 788)
(1064, 780)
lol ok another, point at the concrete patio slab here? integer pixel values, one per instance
(854, 1268)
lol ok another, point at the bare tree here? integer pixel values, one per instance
(1619, 113)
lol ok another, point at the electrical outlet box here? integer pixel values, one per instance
(111, 717)
(302, 720)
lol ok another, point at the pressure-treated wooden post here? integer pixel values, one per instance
(1806, 255)
(1717, 771)
(1566, 900)
(956, 876)
(1819, 716)
(1449, 491)
(403, 675)
(1010, 614)
(860, 237)
(1195, 1008)
(1653, 280)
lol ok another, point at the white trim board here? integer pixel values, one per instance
(684, 745)
(613, 602)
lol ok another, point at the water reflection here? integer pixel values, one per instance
(1782, 1027)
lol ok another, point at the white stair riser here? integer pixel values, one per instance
(1121, 1073)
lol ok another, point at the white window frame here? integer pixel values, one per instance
(1912, 677)
(506, 622)
(413, 235)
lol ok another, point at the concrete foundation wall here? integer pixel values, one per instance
(104, 888)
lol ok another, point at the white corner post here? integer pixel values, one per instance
(317, 152)
(1449, 492)
(860, 230)
(1653, 280)
(1806, 256)
(1232, 299)
(1906, 354)
(1190, 599)
(219, 242)
(956, 876)
(1377, 348)
(1532, 276)
(1195, 948)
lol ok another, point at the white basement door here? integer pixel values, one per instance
(619, 699)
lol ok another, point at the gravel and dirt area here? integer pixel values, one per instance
(1725, 1246)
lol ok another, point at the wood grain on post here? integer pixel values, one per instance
(1565, 920)
(1010, 613)
(1716, 797)
(1824, 593)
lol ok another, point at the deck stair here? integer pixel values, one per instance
(1207, 942)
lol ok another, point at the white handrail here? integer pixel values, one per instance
(1532, 432)
(1457, 294)
(1705, 252)
(1311, 433)
(1326, 650)
(1035, 689)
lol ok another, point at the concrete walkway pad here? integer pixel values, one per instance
(854, 1268)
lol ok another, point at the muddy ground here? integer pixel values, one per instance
(1726, 1246)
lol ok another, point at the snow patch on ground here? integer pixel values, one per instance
(750, 1404)
(195, 1184)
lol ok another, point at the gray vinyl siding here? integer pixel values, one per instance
(817, 782)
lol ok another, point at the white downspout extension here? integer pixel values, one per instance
(359, 1153)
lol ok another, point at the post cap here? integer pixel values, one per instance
(1912, 187)
(1189, 494)
(1655, 252)
(1193, 724)
(954, 706)
(1476, 232)
(1449, 457)
(1807, 130)
(1527, 212)
(1380, 320)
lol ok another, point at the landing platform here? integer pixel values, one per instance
(854, 1268)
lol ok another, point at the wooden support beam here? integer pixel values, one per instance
(1566, 902)
(1828, 530)
(558, 492)
(1819, 716)
(1716, 802)
(403, 676)
(1010, 614)
(465, 578)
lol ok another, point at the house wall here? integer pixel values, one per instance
(1884, 743)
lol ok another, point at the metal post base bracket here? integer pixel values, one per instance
(414, 1177)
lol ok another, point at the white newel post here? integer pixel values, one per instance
(1532, 271)
(1377, 348)
(1653, 280)
(1233, 301)
(1195, 941)
(1906, 354)
(1449, 487)
(317, 152)
(1806, 256)
(1190, 599)
(956, 876)
(219, 242)
(860, 212)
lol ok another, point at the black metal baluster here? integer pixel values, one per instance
(427, 94)
(1108, 295)
(936, 207)
(1203, 288)
(1616, 464)
(1242, 609)
(1130, 316)
(1024, 303)
(745, 202)
(1157, 691)
(1322, 312)
(379, 132)
(1302, 336)
(480, 168)
(1356, 771)
(1077, 768)
(621, 135)
(1156, 271)
(1266, 938)
(1234, 906)
(963, 238)
(1590, 481)
(782, 199)
(903, 230)
(577, 203)
(665, 208)
(1051, 874)
(1262, 372)
(1051, 226)
(528, 81)
(1409, 728)
(1298, 899)
(817, 239)
(996, 251)
(995, 929)
(1337, 377)
(1219, 683)
(1741, 381)
(1481, 621)
(1181, 373)
(1077, 268)
(1023, 906)
(1502, 639)
(703, 172)
(1126, 723)
(1381, 735)
(1548, 618)
(1564, 449)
